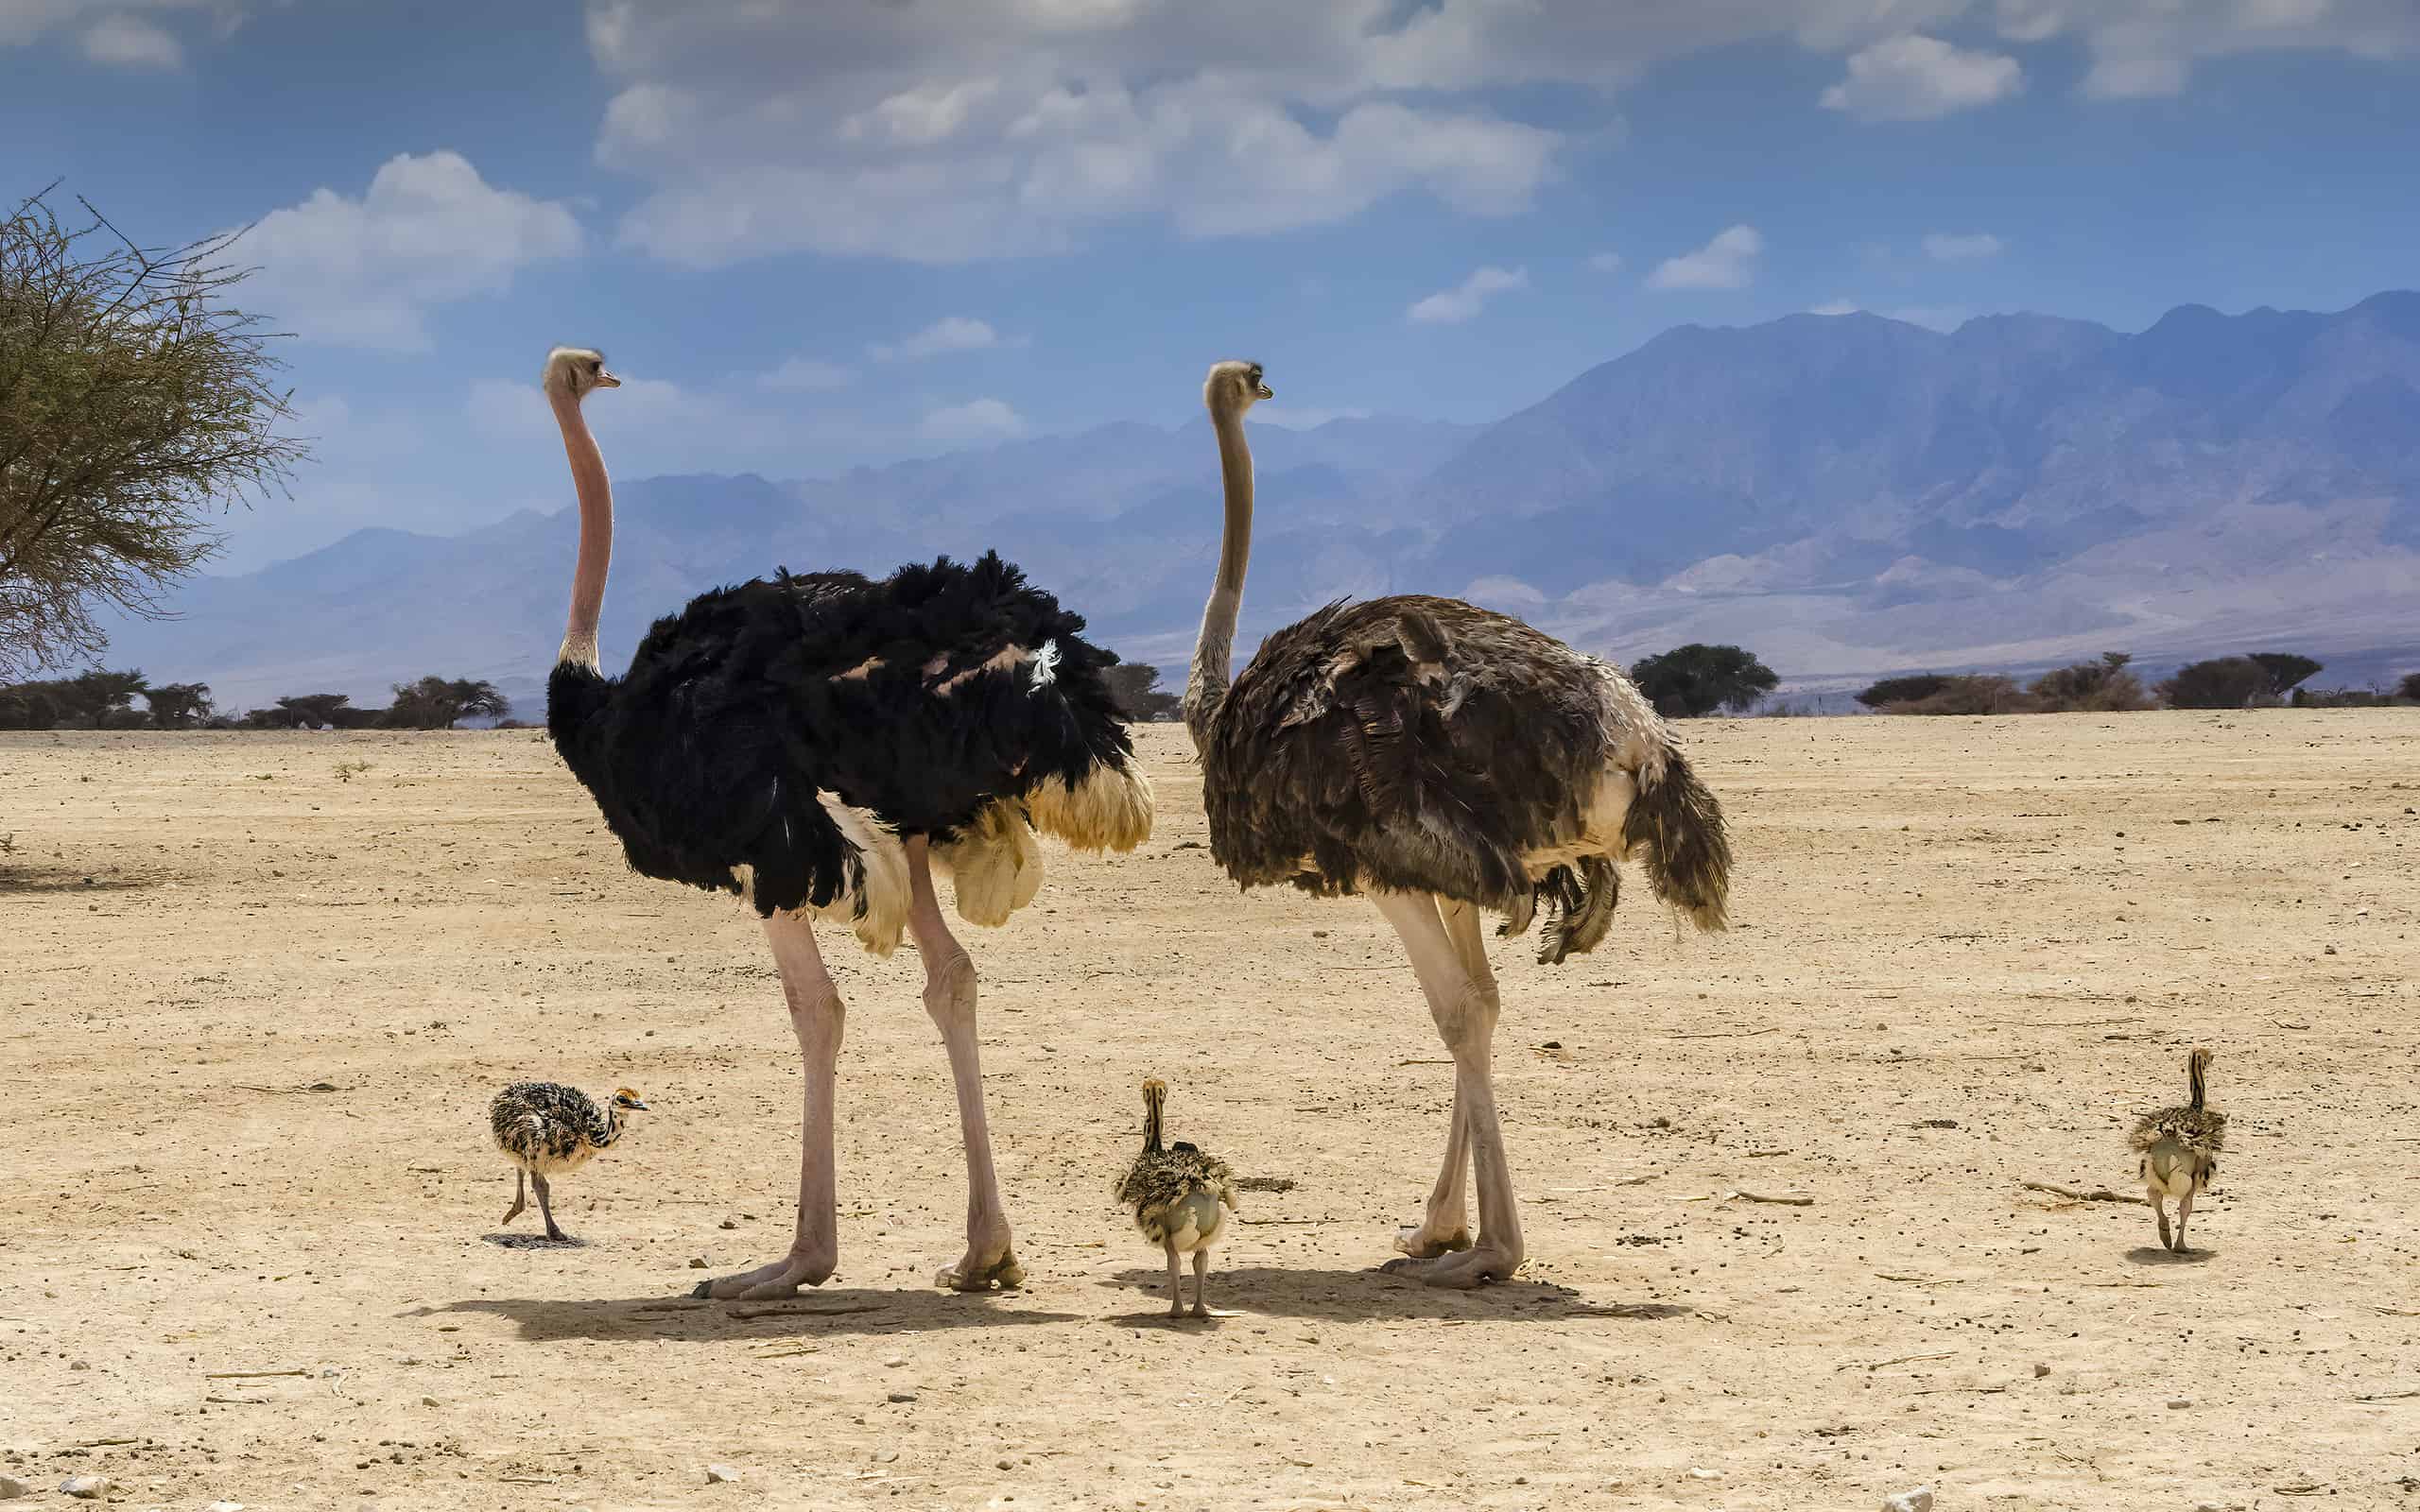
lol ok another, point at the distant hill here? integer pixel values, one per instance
(1846, 494)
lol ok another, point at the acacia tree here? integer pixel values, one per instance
(177, 705)
(134, 399)
(1695, 679)
(439, 703)
(1134, 687)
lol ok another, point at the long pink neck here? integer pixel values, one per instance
(596, 532)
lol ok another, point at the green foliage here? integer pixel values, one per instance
(301, 710)
(133, 401)
(1903, 689)
(92, 699)
(2285, 669)
(2221, 682)
(1692, 681)
(179, 705)
(436, 703)
(1135, 688)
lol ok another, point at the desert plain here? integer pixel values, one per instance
(260, 988)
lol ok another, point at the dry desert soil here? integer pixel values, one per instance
(248, 1238)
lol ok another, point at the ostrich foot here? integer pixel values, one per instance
(1422, 1242)
(771, 1283)
(1473, 1267)
(980, 1267)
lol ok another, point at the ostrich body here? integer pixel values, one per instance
(1443, 760)
(817, 745)
(546, 1129)
(2177, 1150)
(1181, 1200)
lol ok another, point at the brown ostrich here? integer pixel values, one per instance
(1443, 760)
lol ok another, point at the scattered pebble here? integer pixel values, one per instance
(1919, 1499)
(2041, 1370)
(80, 1365)
(85, 1487)
(2179, 1403)
(717, 1473)
(11, 1489)
(731, 1222)
(903, 1395)
(428, 1401)
(886, 1456)
(1697, 1474)
(697, 1262)
(895, 1362)
(1008, 1464)
(224, 1506)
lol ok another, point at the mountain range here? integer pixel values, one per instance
(1844, 495)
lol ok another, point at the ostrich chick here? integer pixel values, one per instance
(546, 1129)
(2179, 1150)
(1181, 1200)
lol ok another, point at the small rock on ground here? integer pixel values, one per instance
(1919, 1499)
(717, 1473)
(84, 1488)
(11, 1489)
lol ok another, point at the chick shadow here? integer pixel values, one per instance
(2159, 1255)
(835, 1311)
(533, 1241)
(1372, 1295)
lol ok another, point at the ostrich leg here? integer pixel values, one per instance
(520, 1194)
(2183, 1211)
(1445, 1228)
(816, 1015)
(546, 1207)
(949, 997)
(1465, 1011)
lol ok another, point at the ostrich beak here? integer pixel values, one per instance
(1267, 392)
(606, 380)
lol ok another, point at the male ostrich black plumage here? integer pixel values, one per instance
(1444, 760)
(815, 742)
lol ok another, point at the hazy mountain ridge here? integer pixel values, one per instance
(1848, 495)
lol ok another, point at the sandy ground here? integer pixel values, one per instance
(1969, 950)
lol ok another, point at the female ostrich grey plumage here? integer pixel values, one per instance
(1444, 758)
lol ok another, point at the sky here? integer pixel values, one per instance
(829, 234)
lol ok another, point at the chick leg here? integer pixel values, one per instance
(545, 1208)
(2183, 1211)
(1201, 1283)
(1176, 1282)
(2159, 1206)
(520, 1194)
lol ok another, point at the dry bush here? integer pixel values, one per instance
(1983, 694)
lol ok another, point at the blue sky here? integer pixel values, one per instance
(820, 235)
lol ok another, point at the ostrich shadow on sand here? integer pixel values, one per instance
(834, 1310)
(1370, 1296)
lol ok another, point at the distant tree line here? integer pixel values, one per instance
(2109, 686)
(104, 699)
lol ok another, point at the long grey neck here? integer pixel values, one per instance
(596, 493)
(1213, 654)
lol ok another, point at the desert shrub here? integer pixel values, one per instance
(2091, 687)
(2342, 699)
(1906, 688)
(2285, 670)
(1980, 694)
(2409, 687)
(2221, 682)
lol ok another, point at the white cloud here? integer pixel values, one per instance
(1913, 77)
(952, 333)
(945, 132)
(1466, 298)
(429, 230)
(1945, 247)
(798, 375)
(978, 419)
(1605, 262)
(1728, 261)
(131, 42)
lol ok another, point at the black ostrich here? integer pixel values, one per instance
(815, 743)
(1444, 760)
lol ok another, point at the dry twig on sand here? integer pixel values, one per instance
(1904, 1359)
(2096, 1195)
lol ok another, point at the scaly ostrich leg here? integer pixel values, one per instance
(521, 1200)
(1445, 1228)
(817, 1016)
(949, 997)
(1465, 1012)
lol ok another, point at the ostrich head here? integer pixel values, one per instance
(576, 371)
(624, 1097)
(1235, 386)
